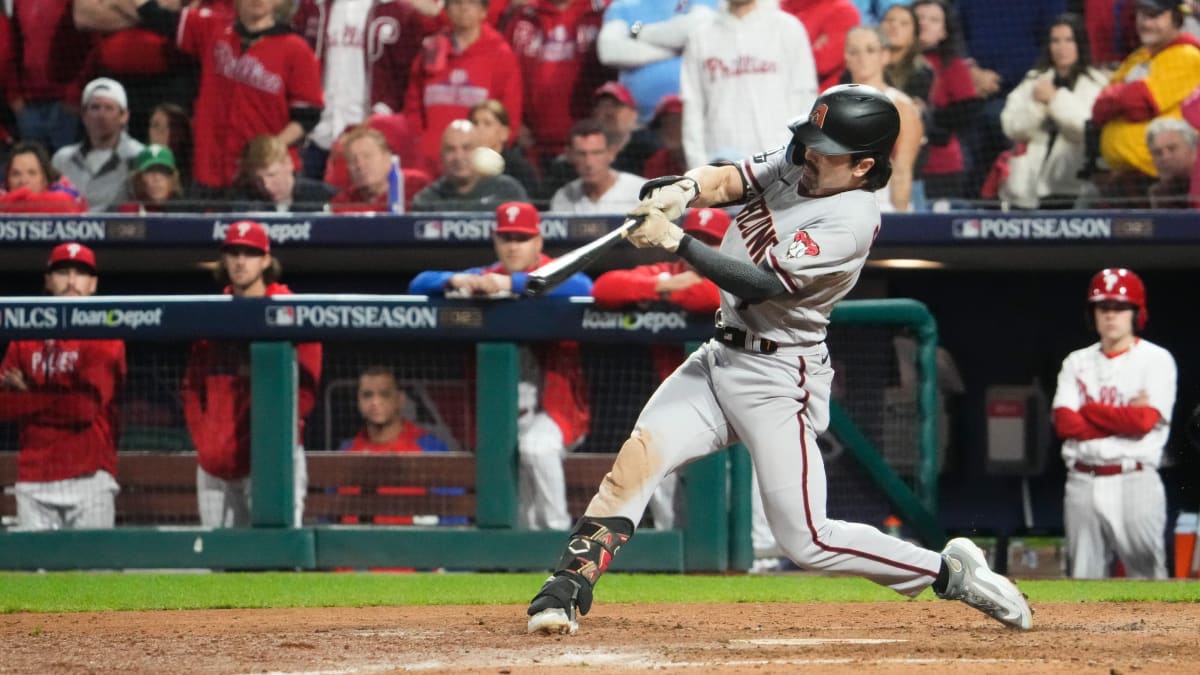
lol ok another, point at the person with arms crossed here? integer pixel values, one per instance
(794, 251)
(63, 393)
(216, 389)
(553, 410)
(1112, 409)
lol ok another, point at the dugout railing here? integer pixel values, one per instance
(715, 536)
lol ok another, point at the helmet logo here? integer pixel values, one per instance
(817, 117)
(1110, 281)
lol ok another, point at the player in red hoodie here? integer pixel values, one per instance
(62, 392)
(216, 389)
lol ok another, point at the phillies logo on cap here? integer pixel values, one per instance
(511, 213)
(73, 250)
(817, 117)
(242, 228)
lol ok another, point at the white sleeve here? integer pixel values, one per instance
(803, 84)
(559, 202)
(1072, 108)
(617, 49)
(1066, 391)
(673, 33)
(763, 169)
(1160, 385)
(691, 91)
(1022, 116)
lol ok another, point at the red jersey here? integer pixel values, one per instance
(951, 84)
(351, 200)
(446, 82)
(663, 163)
(68, 416)
(412, 438)
(243, 92)
(216, 399)
(51, 51)
(557, 51)
(61, 197)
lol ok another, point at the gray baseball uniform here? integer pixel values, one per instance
(777, 403)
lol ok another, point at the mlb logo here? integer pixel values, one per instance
(281, 315)
(966, 228)
(428, 229)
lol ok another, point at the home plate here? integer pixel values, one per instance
(795, 642)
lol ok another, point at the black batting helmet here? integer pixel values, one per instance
(846, 120)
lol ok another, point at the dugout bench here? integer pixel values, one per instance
(159, 488)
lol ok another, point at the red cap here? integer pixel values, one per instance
(616, 90)
(518, 218)
(72, 252)
(708, 223)
(249, 234)
(666, 105)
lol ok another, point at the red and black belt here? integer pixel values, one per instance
(1106, 469)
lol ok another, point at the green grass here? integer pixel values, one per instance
(77, 592)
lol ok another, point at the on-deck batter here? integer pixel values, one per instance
(1112, 408)
(764, 379)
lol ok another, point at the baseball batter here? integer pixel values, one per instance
(764, 379)
(1112, 408)
(63, 394)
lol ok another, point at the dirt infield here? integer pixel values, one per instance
(914, 637)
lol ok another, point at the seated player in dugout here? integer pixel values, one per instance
(679, 284)
(63, 393)
(553, 404)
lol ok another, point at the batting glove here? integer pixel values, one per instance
(656, 230)
(669, 194)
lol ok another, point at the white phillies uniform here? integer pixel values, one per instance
(776, 404)
(1125, 512)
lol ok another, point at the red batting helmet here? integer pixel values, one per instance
(1120, 285)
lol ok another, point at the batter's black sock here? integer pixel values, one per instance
(943, 578)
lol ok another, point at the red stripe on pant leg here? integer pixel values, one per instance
(812, 529)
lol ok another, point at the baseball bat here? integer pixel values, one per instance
(548, 276)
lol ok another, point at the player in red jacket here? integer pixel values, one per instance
(456, 70)
(63, 394)
(256, 77)
(216, 389)
(676, 283)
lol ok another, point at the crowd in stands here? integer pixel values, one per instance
(1027, 104)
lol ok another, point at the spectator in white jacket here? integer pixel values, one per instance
(745, 75)
(1046, 114)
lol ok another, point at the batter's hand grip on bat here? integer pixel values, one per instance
(549, 276)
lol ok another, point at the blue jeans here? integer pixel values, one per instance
(48, 123)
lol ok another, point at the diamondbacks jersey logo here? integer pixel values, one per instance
(817, 116)
(803, 244)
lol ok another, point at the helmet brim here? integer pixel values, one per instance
(811, 136)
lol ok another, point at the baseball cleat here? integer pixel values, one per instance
(553, 621)
(972, 582)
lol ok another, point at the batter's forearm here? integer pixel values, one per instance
(750, 283)
(718, 185)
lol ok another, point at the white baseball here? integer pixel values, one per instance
(487, 162)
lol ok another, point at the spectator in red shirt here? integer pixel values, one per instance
(216, 389)
(668, 123)
(458, 68)
(48, 80)
(256, 77)
(953, 102)
(369, 162)
(555, 42)
(33, 185)
(382, 404)
(63, 393)
(827, 22)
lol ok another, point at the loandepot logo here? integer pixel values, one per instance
(116, 318)
(352, 316)
(647, 321)
(1032, 228)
